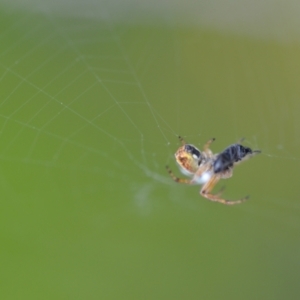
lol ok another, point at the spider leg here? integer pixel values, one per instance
(206, 146)
(177, 179)
(182, 141)
(208, 186)
(201, 170)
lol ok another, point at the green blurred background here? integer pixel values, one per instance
(93, 96)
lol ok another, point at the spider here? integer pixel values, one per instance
(207, 168)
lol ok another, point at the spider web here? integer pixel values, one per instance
(92, 104)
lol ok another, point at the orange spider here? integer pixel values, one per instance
(207, 168)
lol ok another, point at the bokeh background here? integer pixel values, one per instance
(93, 97)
